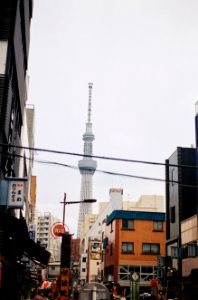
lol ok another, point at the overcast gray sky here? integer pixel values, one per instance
(142, 57)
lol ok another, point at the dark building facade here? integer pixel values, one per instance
(180, 190)
(181, 204)
(15, 20)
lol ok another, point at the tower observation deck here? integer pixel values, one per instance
(87, 167)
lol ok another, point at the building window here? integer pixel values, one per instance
(111, 226)
(127, 224)
(172, 176)
(174, 252)
(149, 248)
(172, 214)
(191, 250)
(127, 248)
(83, 270)
(111, 249)
(158, 226)
(84, 259)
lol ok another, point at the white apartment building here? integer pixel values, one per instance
(44, 223)
(92, 270)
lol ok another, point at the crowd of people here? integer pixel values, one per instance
(48, 294)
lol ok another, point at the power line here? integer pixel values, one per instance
(98, 157)
(107, 172)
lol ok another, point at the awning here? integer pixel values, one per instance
(36, 253)
(16, 240)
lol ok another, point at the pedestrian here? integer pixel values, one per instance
(160, 291)
(38, 297)
(154, 288)
(56, 296)
(48, 294)
(76, 294)
(63, 295)
(123, 295)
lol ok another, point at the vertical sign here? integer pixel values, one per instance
(16, 193)
(31, 230)
(65, 264)
(95, 251)
(64, 281)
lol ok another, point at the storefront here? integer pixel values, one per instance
(14, 243)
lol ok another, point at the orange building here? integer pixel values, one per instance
(133, 241)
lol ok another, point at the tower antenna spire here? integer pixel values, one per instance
(87, 167)
(90, 85)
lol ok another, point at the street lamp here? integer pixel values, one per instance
(66, 249)
(64, 202)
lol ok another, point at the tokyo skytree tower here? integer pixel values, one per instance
(87, 167)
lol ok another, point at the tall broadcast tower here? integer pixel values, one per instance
(87, 167)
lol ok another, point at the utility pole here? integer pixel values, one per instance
(64, 203)
(66, 250)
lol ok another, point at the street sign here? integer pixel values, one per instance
(135, 276)
(58, 229)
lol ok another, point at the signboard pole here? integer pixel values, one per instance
(135, 277)
(131, 289)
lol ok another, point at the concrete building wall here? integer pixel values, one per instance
(95, 231)
(189, 230)
(44, 223)
(147, 202)
(189, 241)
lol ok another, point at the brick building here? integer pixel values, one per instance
(133, 241)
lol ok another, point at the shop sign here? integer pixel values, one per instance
(95, 250)
(32, 232)
(16, 189)
(58, 229)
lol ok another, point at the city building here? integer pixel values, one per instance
(28, 155)
(181, 204)
(95, 225)
(87, 167)
(44, 224)
(94, 266)
(182, 226)
(75, 261)
(15, 161)
(15, 20)
(133, 241)
(189, 244)
(53, 271)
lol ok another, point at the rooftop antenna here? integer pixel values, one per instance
(90, 85)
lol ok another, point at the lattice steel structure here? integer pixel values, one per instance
(87, 166)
